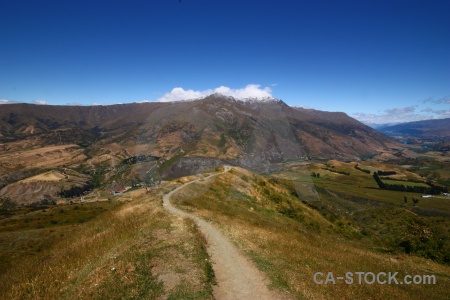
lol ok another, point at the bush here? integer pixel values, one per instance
(362, 170)
(6, 204)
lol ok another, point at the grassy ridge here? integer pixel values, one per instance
(291, 241)
(116, 250)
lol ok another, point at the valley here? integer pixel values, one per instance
(224, 150)
(81, 210)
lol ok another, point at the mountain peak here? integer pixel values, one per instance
(248, 99)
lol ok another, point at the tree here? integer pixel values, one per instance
(6, 204)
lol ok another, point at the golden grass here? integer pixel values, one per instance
(47, 176)
(45, 157)
(292, 251)
(135, 250)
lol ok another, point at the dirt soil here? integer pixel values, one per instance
(236, 276)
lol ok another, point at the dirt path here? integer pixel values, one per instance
(236, 276)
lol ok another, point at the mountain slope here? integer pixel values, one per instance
(427, 129)
(215, 126)
(173, 139)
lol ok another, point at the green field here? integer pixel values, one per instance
(405, 183)
(391, 217)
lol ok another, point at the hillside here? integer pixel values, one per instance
(308, 215)
(172, 139)
(131, 247)
(246, 126)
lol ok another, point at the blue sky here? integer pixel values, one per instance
(378, 61)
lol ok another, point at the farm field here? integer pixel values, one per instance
(405, 183)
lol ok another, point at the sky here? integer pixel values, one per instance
(378, 61)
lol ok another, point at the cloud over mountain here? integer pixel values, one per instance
(40, 102)
(253, 91)
(4, 101)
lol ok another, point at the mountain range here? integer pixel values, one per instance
(216, 126)
(433, 130)
(184, 138)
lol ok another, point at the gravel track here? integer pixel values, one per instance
(236, 276)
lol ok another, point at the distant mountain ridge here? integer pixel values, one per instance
(379, 126)
(437, 129)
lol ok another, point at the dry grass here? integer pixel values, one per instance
(133, 251)
(290, 250)
(45, 157)
(47, 176)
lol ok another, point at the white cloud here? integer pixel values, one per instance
(74, 103)
(40, 102)
(401, 111)
(444, 100)
(102, 104)
(439, 112)
(4, 101)
(178, 94)
(251, 91)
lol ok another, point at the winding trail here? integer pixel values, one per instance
(236, 276)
